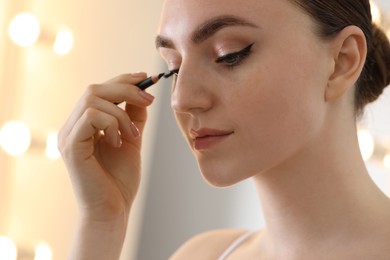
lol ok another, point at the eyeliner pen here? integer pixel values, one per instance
(154, 79)
(150, 81)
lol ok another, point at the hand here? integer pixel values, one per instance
(101, 143)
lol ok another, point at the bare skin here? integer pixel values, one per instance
(104, 179)
(277, 107)
(293, 128)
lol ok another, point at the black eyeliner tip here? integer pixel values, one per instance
(170, 73)
(167, 75)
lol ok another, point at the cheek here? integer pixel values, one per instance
(182, 121)
(279, 113)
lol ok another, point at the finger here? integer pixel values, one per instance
(119, 92)
(92, 122)
(138, 115)
(124, 80)
(82, 106)
(128, 78)
(125, 124)
(131, 94)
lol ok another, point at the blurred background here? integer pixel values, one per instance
(50, 51)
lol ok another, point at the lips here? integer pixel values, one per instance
(206, 138)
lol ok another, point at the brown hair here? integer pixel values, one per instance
(332, 16)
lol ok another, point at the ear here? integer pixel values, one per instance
(349, 51)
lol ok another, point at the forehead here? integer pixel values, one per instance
(180, 17)
(188, 12)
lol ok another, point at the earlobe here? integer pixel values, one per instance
(350, 50)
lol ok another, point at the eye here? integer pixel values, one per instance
(175, 72)
(234, 59)
(171, 73)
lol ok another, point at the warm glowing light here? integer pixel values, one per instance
(8, 249)
(24, 29)
(63, 43)
(15, 138)
(366, 143)
(51, 147)
(386, 161)
(43, 252)
(376, 13)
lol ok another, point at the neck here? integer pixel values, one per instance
(323, 194)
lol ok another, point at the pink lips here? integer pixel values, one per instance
(205, 138)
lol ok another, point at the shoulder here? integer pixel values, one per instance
(207, 245)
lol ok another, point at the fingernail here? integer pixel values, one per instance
(119, 140)
(146, 96)
(138, 74)
(134, 130)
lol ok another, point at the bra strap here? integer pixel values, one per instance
(233, 246)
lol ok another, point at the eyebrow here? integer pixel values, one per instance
(207, 29)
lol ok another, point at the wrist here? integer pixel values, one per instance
(109, 223)
(99, 239)
(102, 213)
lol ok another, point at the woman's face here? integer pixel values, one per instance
(250, 91)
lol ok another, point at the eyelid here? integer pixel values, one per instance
(175, 71)
(234, 53)
(171, 57)
(172, 73)
(173, 65)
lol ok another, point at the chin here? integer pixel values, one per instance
(221, 177)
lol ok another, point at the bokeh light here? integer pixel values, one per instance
(24, 29)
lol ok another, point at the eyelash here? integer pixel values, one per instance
(236, 58)
(174, 72)
(231, 59)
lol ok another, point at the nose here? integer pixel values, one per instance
(190, 91)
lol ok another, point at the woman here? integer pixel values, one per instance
(267, 89)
